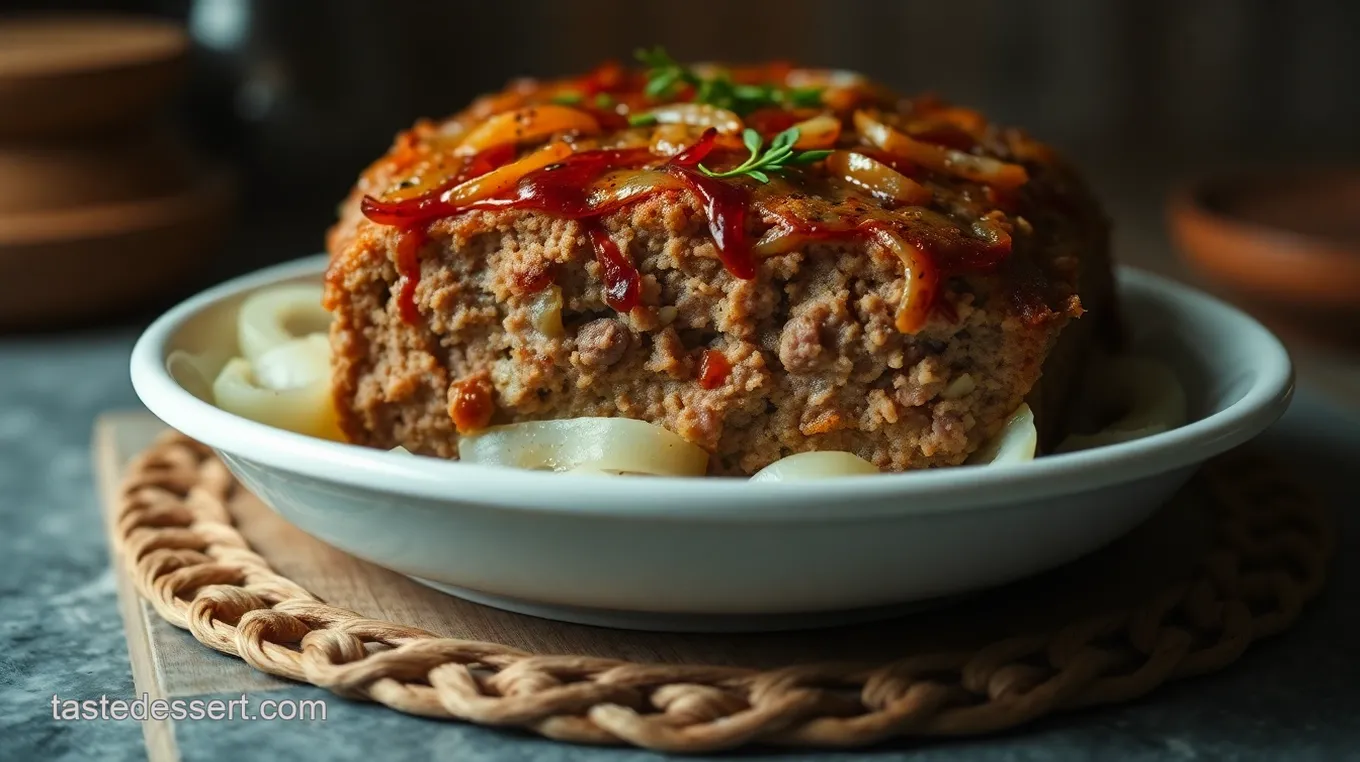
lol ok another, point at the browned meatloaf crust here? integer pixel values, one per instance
(817, 362)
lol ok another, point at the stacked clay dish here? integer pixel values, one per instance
(94, 178)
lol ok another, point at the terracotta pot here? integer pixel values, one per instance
(1291, 238)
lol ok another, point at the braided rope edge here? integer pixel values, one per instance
(175, 536)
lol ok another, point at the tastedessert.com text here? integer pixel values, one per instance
(145, 708)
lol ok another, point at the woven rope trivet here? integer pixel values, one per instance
(174, 533)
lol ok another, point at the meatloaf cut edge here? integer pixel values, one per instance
(816, 360)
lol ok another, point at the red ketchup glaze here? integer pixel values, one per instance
(699, 151)
(608, 77)
(725, 207)
(563, 190)
(409, 242)
(471, 404)
(622, 284)
(713, 369)
(431, 205)
(608, 119)
(771, 121)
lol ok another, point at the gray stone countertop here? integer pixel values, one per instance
(1294, 697)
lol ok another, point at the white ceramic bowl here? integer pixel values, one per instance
(724, 554)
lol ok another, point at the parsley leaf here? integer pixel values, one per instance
(778, 157)
(665, 76)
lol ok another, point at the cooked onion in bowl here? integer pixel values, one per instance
(601, 444)
(283, 379)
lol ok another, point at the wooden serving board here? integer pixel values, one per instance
(169, 663)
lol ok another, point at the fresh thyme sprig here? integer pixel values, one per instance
(778, 158)
(665, 76)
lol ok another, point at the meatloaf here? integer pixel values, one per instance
(894, 287)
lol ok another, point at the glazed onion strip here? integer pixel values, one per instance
(620, 186)
(503, 178)
(602, 444)
(877, 178)
(779, 240)
(525, 125)
(820, 131)
(278, 315)
(950, 161)
(919, 281)
(697, 115)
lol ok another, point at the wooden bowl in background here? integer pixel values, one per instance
(85, 73)
(1287, 242)
(102, 203)
(104, 168)
(72, 264)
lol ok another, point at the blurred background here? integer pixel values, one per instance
(300, 95)
(296, 97)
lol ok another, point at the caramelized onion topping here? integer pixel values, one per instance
(919, 283)
(698, 115)
(880, 183)
(820, 131)
(877, 178)
(527, 124)
(949, 161)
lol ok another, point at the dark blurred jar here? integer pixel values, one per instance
(298, 93)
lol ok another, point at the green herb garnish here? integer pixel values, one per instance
(567, 98)
(641, 120)
(604, 100)
(665, 75)
(778, 158)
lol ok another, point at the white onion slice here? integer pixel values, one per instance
(287, 387)
(1152, 395)
(193, 372)
(697, 115)
(602, 444)
(1016, 442)
(275, 316)
(822, 464)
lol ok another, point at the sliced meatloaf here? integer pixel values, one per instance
(894, 300)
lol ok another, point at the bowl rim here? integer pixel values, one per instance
(683, 498)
